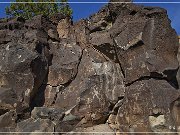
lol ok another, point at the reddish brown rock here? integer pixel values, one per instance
(82, 33)
(50, 94)
(64, 27)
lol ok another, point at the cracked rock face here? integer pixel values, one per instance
(145, 100)
(65, 61)
(116, 71)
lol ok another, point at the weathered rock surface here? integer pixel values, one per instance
(98, 129)
(65, 61)
(178, 57)
(146, 108)
(64, 28)
(116, 71)
(53, 114)
(35, 125)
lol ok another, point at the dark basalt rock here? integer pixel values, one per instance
(7, 103)
(140, 55)
(98, 129)
(115, 71)
(100, 21)
(35, 125)
(66, 57)
(12, 23)
(109, 74)
(146, 107)
(8, 120)
(53, 114)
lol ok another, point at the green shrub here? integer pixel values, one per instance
(29, 9)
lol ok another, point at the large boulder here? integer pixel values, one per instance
(24, 65)
(65, 61)
(146, 50)
(97, 85)
(147, 107)
(15, 69)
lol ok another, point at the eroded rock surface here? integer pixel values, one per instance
(116, 71)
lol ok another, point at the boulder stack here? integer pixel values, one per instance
(117, 71)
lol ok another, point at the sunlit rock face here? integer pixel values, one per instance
(178, 57)
(116, 71)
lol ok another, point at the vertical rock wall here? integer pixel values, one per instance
(114, 72)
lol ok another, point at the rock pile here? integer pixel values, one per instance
(116, 71)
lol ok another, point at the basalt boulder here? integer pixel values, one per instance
(65, 60)
(147, 106)
(23, 67)
(97, 85)
(139, 52)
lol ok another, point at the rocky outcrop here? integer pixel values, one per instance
(116, 71)
(178, 57)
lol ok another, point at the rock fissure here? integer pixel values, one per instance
(146, 78)
(115, 48)
(157, 76)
